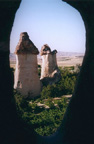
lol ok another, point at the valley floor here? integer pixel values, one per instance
(61, 61)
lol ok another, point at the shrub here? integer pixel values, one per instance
(50, 103)
(63, 87)
(39, 70)
(46, 121)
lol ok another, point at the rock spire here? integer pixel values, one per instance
(27, 81)
(49, 73)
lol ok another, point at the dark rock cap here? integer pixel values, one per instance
(25, 45)
(46, 49)
(54, 52)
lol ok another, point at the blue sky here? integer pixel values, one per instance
(51, 22)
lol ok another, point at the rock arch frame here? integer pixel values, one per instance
(78, 124)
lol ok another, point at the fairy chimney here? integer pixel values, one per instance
(27, 81)
(49, 73)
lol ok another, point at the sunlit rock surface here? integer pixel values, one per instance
(27, 81)
(49, 73)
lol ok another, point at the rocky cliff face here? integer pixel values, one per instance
(49, 72)
(26, 74)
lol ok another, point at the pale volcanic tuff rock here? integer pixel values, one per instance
(49, 73)
(27, 81)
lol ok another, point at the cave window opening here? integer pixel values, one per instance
(61, 28)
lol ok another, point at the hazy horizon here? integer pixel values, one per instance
(58, 52)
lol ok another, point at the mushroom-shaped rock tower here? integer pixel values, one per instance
(27, 81)
(49, 72)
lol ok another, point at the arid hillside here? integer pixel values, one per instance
(64, 59)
